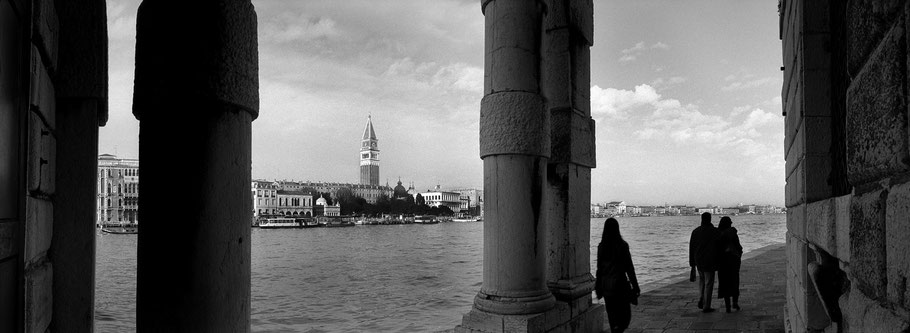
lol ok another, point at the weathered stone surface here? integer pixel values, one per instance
(39, 228)
(83, 48)
(821, 225)
(897, 231)
(556, 73)
(581, 78)
(817, 135)
(867, 237)
(46, 29)
(877, 114)
(572, 138)
(818, 170)
(796, 186)
(219, 61)
(867, 23)
(862, 314)
(514, 31)
(43, 98)
(581, 18)
(41, 157)
(514, 123)
(796, 221)
(38, 297)
(476, 320)
(9, 239)
(842, 209)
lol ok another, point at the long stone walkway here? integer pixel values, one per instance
(670, 305)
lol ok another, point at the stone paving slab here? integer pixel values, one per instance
(670, 305)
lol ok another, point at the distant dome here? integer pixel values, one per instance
(321, 201)
(400, 191)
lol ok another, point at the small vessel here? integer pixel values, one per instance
(468, 219)
(120, 228)
(307, 222)
(280, 223)
(425, 219)
(335, 222)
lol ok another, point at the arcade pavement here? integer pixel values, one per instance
(669, 305)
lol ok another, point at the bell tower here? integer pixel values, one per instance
(369, 155)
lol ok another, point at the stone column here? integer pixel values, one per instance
(196, 94)
(514, 146)
(565, 84)
(81, 83)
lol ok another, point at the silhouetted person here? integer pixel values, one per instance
(615, 272)
(703, 256)
(730, 253)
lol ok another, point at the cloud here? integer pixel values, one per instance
(742, 85)
(660, 82)
(297, 28)
(617, 103)
(632, 53)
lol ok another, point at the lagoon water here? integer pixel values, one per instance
(397, 278)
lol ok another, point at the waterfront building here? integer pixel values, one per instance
(369, 155)
(322, 208)
(295, 203)
(617, 207)
(437, 197)
(633, 210)
(265, 198)
(118, 190)
(370, 193)
(475, 199)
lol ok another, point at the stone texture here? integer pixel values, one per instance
(572, 138)
(220, 62)
(38, 297)
(82, 45)
(43, 98)
(556, 74)
(897, 231)
(513, 29)
(9, 239)
(862, 314)
(796, 221)
(514, 123)
(39, 228)
(843, 208)
(876, 114)
(41, 157)
(581, 77)
(867, 237)
(822, 230)
(796, 186)
(868, 21)
(818, 170)
(46, 29)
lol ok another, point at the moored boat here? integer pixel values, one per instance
(280, 223)
(425, 219)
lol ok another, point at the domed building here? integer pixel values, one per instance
(399, 192)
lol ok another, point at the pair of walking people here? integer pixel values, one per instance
(716, 250)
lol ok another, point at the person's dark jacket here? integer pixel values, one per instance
(615, 272)
(729, 247)
(703, 248)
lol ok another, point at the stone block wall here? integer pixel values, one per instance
(845, 101)
(46, 267)
(40, 169)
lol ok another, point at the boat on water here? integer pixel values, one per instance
(122, 228)
(336, 221)
(425, 219)
(468, 219)
(307, 222)
(280, 223)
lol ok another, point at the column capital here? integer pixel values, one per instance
(203, 51)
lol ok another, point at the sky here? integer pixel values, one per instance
(685, 95)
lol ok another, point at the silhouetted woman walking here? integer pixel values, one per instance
(616, 282)
(728, 264)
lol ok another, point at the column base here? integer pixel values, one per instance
(579, 315)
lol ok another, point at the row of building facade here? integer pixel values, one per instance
(620, 208)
